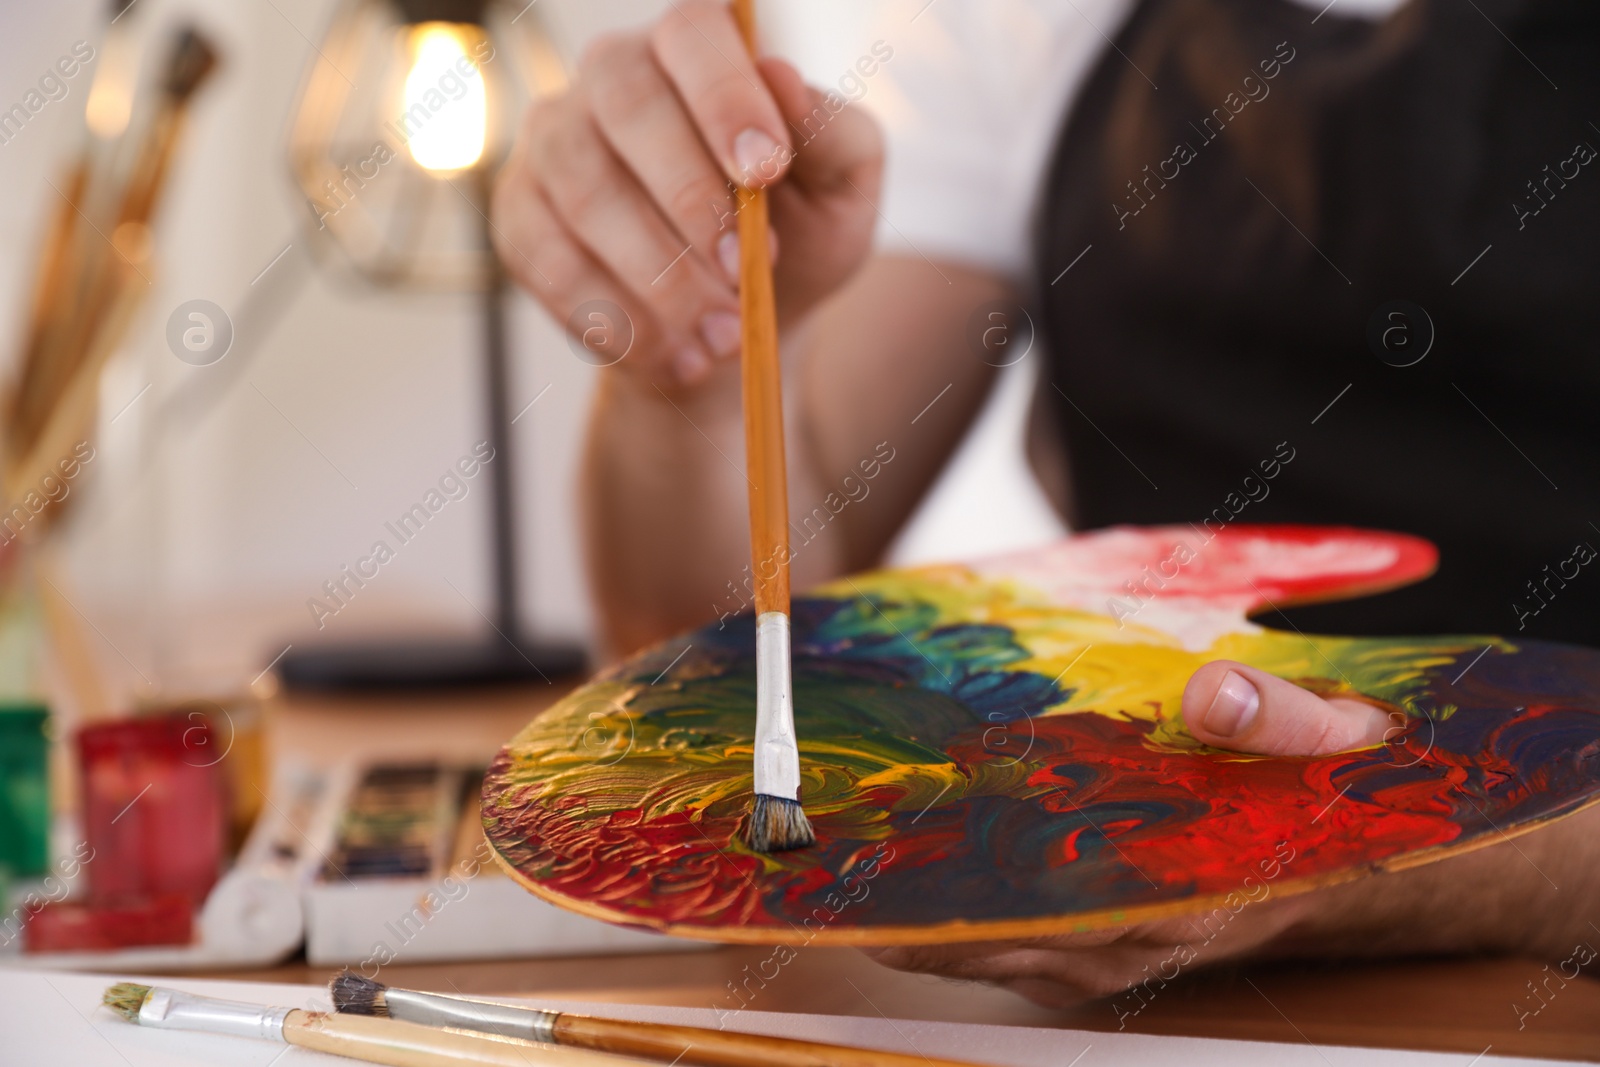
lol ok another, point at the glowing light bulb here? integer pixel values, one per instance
(111, 93)
(446, 109)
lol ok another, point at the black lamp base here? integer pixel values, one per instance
(493, 659)
(440, 664)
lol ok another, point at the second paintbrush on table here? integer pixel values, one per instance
(356, 995)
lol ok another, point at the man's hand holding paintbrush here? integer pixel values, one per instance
(622, 195)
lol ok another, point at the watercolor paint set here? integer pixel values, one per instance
(356, 864)
(405, 872)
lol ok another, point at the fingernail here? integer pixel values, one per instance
(691, 365)
(728, 254)
(722, 332)
(756, 154)
(1234, 707)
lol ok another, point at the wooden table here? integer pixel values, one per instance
(1446, 1006)
(1463, 1006)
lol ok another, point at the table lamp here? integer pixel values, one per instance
(406, 114)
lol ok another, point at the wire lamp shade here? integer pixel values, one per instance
(407, 113)
(404, 117)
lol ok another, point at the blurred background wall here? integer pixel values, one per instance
(217, 506)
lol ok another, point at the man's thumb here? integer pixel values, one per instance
(833, 142)
(1229, 705)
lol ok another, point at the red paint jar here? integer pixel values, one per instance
(134, 922)
(154, 810)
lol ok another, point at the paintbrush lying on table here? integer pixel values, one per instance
(776, 819)
(657, 1041)
(389, 1041)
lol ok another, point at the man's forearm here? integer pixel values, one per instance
(665, 508)
(665, 504)
(1536, 895)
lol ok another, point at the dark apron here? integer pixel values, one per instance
(1246, 242)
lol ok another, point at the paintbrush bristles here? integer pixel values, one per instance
(126, 998)
(777, 824)
(354, 994)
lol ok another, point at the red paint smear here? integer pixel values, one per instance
(1252, 567)
(679, 861)
(1225, 812)
(1414, 559)
(1069, 847)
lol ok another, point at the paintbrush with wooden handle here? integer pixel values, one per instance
(92, 294)
(389, 1041)
(776, 819)
(704, 1047)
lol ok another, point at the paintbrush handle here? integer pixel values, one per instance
(402, 1044)
(97, 289)
(763, 388)
(722, 1048)
(656, 1041)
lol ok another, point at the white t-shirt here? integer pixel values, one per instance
(971, 104)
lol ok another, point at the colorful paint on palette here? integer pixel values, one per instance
(995, 749)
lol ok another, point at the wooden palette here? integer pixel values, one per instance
(995, 749)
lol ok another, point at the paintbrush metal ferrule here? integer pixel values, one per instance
(505, 1020)
(777, 753)
(170, 1009)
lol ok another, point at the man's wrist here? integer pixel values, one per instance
(712, 398)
